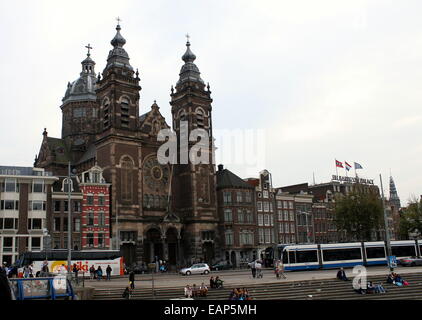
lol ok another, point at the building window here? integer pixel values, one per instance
(11, 185)
(34, 224)
(240, 216)
(9, 205)
(228, 215)
(56, 224)
(90, 218)
(90, 239)
(7, 244)
(57, 205)
(126, 179)
(248, 197)
(66, 206)
(36, 243)
(38, 186)
(271, 220)
(267, 235)
(65, 225)
(101, 219)
(101, 200)
(290, 204)
(101, 240)
(271, 207)
(279, 204)
(259, 205)
(261, 235)
(229, 237)
(38, 205)
(260, 220)
(266, 220)
(90, 200)
(266, 207)
(76, 206)
(227, 197)
(77, 224)
(280, 215)
(10, 223)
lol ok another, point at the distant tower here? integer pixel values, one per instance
(394, 197)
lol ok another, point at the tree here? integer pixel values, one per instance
(359, 213)
(411, 219)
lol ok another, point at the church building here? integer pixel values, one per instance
(157, 210)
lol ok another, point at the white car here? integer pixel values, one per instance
(198, 268)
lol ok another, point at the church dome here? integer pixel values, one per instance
(83, 88)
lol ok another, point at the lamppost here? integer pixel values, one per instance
(69, 223)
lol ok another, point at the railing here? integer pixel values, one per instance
(42, 288)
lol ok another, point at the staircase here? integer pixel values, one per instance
(329, 289)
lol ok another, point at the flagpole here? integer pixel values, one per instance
(335, 162)
(345, 167)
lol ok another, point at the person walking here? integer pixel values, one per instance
(280, 267)
(132, 280)
(253, 269)
(75, 271)
(108, 272)
(92, 272)
(31, 270)
(99, 273)
(44, 269)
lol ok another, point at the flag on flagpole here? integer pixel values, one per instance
(339, 164)
(358, 166)
(348, 166)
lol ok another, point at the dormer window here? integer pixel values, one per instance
(65, 185)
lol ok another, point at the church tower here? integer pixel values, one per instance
(80, 110)
(118, 147)
(194, 185)
(394, 197)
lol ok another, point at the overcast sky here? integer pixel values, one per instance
(323, 79)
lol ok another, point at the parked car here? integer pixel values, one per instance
(222, 265)
(198, 268)
(410, 262)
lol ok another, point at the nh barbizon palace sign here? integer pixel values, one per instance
(352, 180)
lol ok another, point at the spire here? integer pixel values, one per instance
(118, 56)
(118, 40)
(88, 64)
(394, 197)
(189, 71)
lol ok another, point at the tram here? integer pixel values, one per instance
(336, 255)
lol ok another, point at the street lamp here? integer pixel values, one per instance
(69, 223)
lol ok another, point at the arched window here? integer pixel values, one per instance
(106, 112)
(126, 179)
(124, 108)
(200, 116)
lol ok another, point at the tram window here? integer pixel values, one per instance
(285, 261)
(342, 254)
(306, 256)
(292, 257)
(403, 251)
(420, 250)
(375, 252)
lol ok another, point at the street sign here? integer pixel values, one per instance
(392, 261)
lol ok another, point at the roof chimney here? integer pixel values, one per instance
(220, 167)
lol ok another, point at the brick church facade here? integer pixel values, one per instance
(165, 211)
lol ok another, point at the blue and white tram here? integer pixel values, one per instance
(336, 255)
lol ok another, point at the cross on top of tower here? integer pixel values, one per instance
(118, 20)
(88, 47)
(187, 37)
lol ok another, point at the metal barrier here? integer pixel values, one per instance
(42, 288)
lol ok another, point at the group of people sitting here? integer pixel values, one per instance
(194, 291)
(216, 283)
(396, 279)
(371, 288)
(239, 294)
